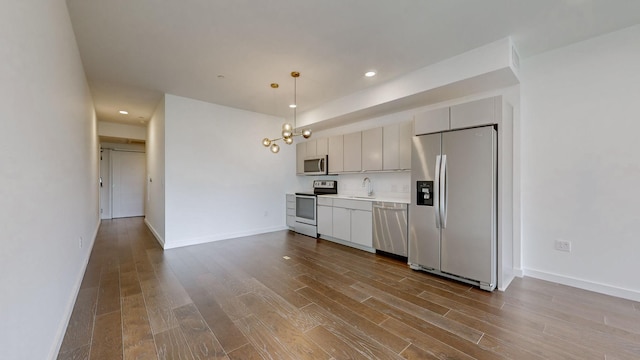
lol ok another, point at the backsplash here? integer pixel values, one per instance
(385, 184)
(392, 184)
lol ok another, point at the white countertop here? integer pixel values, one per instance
(403, 200)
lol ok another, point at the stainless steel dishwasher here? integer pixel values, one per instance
(390, 227)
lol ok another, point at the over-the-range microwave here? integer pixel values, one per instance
(317, 165)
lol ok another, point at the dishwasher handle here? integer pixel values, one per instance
(390, 208)
(379, 205)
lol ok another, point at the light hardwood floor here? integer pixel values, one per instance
(241, 299)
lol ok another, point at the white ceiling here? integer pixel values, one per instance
(228, 51)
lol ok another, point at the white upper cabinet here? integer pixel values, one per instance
(405, 138)
(388, 148)
(431, 121)
(336, 157)
(475, 113)
(322, 146)
(396, 146)
(372, 149)
(352, 152)
(311, 148)
(307, 149)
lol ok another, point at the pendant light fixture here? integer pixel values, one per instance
(288, 131)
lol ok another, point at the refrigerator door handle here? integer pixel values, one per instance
(444, 193)
(436, 192)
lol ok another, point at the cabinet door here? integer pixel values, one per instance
(475, 113)
(311, 148)
(291, 210)
(361, 227)
(396, 146)
(372, 149)
(325, 220)
(391, 147)
(336, 150)
(405, 134)
(301, 152)
(322, 146)
(342, 223)
(431, 121)
(352, 152)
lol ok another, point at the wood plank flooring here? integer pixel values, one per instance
(241, 299)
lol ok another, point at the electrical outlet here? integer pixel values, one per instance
(563, 245)
(80, 243)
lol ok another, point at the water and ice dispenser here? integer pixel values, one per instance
(424, 193)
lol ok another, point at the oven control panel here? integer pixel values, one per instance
(324, 184)
(325, 187)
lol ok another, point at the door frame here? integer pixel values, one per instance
(106, 185)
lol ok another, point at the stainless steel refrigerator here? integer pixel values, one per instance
(453, 212)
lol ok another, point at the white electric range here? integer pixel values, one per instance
(306, 206)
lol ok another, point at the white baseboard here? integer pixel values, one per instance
(224, 236)
(159, 238)
(584, 284)
(62, 329)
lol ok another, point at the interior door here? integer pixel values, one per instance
(424, 236)
(469, 233)
(128, 183)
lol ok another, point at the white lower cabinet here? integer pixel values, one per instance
(325, 220)
(342, 223)
(291, 211)
(361, 227)
(346, 221)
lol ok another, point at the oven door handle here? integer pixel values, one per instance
(306, 196)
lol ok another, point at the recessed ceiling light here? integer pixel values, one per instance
(293, 106)
(123, 112)
(370, 74)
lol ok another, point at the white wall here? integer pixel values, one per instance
(220, 181)
(48, 176)
(581, 163)
(154, 206)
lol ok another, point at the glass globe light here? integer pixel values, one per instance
(275, 148)
(266, 142)
(306, 133)
(286, 133)
(288, 140)
(287, 127)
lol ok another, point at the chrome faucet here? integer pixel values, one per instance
(367, 183)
